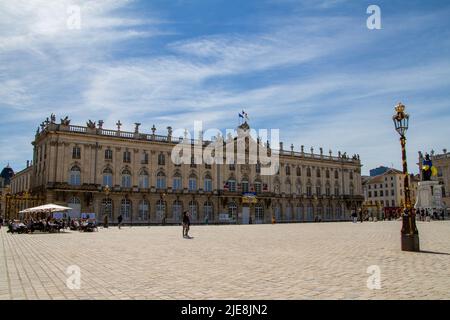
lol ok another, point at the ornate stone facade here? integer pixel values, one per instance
(112, 172)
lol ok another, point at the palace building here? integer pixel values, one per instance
(112, 172)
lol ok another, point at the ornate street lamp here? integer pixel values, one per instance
(409, 233)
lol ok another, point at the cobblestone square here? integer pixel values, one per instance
(282, 261)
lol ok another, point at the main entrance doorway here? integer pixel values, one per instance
(245, 215)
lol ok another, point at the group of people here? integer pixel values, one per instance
(357, 216)
(31, 225)
(186, 223)
(426, 215)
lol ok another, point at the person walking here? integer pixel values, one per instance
(105, 221)
(355, 217)
(186, 224)
(1, 221)
(119, 220)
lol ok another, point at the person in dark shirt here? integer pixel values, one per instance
(119, 219)
(186, 224)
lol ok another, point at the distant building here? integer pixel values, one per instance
(112, 172)
(21, 182)
(386, 192)
(378, 171)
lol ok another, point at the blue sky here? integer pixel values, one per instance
(310, 68)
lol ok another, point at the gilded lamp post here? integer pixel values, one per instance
(409, 233)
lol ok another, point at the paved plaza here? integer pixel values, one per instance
(282, 261)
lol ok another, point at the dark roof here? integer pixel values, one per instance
(7, 174)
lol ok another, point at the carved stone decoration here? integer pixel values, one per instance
(245, 168)
(153, 129)
(136, 127)
(100, 124)
(65, 121)
(52, 118)
(90, 124)
(118, 124)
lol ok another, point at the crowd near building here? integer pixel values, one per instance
(114, 172)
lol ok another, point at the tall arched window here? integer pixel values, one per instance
(231, 185)
(310, 212)
(327, 174)
(160, 209)
(75, 204)
(298, 187)
(276, 186)
(258, 186)
(338, 212)
(288, 170)
(288, 186)
(144, 181)
(352, 190)
(208, 211)
(108, 154)
(336, 174)
(288, 212)
(336, 190)
(299, 171)
(244, 184)
(207, 183)
(277, 212)
(318, 174)
(161, 159)
(193, 209)
(125, 208)
(308, 172)
(259, 213)
(106, 208)
(177, 183)
(309, 189)
(232, 210)
(75, 176)
(144, 208)
(107, 177)
(328, 190)
(328, 213)
(192, 182)
(318, 188)
(176, 210)
(319, 212)
(160, 180)
(126, 178)
(299, 212)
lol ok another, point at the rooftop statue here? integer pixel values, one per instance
(90, 124)
(65, 121)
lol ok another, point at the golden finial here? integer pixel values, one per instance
(400, 108)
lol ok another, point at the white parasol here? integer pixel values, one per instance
(49, 208)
